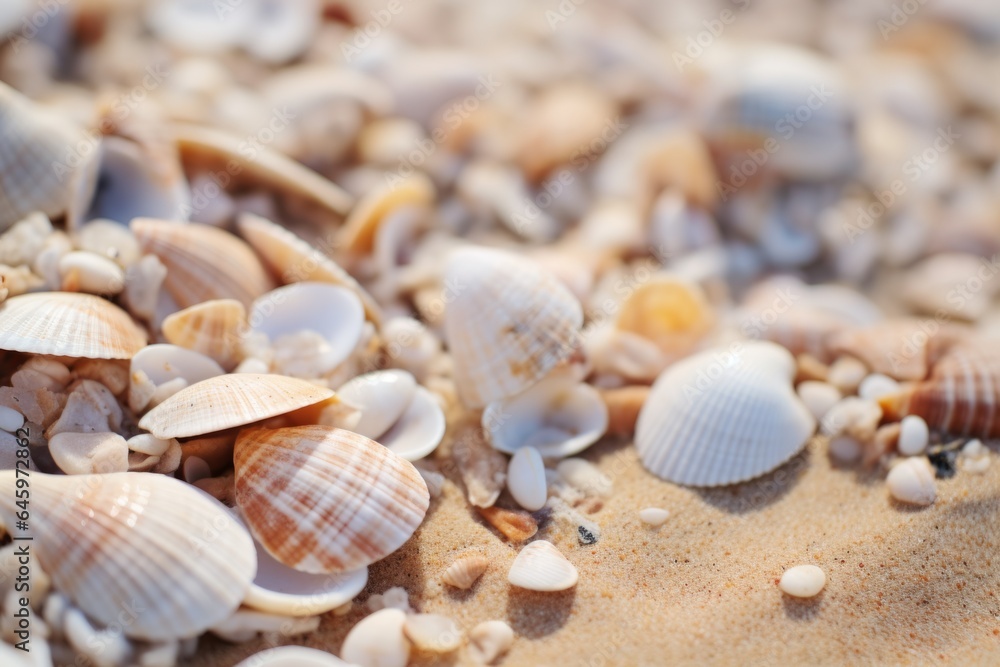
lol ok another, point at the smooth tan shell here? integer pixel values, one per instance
(322, 499)
(68, 325)
(231, 400)
(140, 544)
(203, 262)
(213, 328)
(508, 323)
(293, 260)
(361, 227)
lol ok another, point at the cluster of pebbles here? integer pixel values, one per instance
(246, 296)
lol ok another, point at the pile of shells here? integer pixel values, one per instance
(271, 290)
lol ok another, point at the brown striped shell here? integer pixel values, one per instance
(322, 499)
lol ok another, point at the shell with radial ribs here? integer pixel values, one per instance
(69, 325)
(172, 554)
(465, 571)
(323, 500)
(226, 401)
(213, 328)
(507, 322)
(203, 262)
(723, 416)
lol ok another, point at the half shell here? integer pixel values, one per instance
(540, 566)
(321, 499)
(213, 328)
(148, 546)
(723, 416)
(226, 401)
(68, 325)
(507, 323)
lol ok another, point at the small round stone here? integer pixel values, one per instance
(845, 449)
(912, 481)
(10, 419)
(877, 385)
(818, 397)
(802, 581)
(846, 374)
(654, 516)
(913, 436)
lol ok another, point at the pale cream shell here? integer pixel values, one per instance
(465, 571)
(507, 323)
(213, 328)
(68, 325)
(231, 400)
(723, 416)
(321, 499)
(146, 545)
(293, 656)
(540, 566)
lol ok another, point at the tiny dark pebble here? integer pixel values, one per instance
(586, 537)
(944, 463)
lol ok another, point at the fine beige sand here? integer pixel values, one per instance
(904, 586)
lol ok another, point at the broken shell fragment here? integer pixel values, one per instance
(541, 567)
(515, 525)
(489, 640)
(378, 641)
(433, 632)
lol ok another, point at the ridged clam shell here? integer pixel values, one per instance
(540, 566)
(723, 416)
(226, 401)
(213, 328)
(465, 571)
(42, 165)
(508, 323)
(68, 325)
(293, 260)
(321, 499)
(203, 262)
(144, 545)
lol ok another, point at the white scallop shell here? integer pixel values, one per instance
(541, 567)
(151, 547)
(723, 416)
(419, 430)
(558, 417)
(507, 323)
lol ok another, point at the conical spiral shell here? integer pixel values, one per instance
(213, 328)
(69, 325)
(45, 160)
(508, 323)
(203, 262)
(136, 546)
(231, 400)
(723, 416)
(321, 499)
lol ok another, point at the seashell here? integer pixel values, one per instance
(22, 242)
(213, 328)
(818, 397)
(193, 256)
(585, 477)
(433, 632)
(903, 348)
(492, 190)
(87, 453)
(875, 386)
(802, 581)
(293, 260)
(723, 416)
(483, 469)
(226, 401)
(465, 571)
(672, 313)
(46, 160)
(507, 324)
(378, 641)
(654, 516)
(489, 640)
(90, 273)
(359, 232)
(913, 436)
(266, 167)
(157, 365)
(622, 354)
(314, 478)
(515, 525)
(933, 286)
(912, 481)
(293, 656)
(557, 416)
(90, 529)
(143, 280)
(246, 624)
(68, 325)
(526, 479)
(541, 567)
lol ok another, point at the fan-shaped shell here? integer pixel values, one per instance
(150, 547)
(226, 401)
(213, 328)
(293, 260)
(44, 162)
(68, 325)
(507, 323)
(321, 499)
(203, 262)
(723, 416)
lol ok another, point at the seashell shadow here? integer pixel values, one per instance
(756, 494)
(803, 609)
(534, 614)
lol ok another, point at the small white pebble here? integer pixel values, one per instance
(378, 641)
(802, 581)
(489, 640)
(877, 385)
(252, 365)
(846, 374)
(654, 516)
(912, 481)
(526, 479)
(433, 632)
(86, 453)
(147, 443)
(818, 397)
(10, 419)
(974, 449)
(913, 436)
(975, 457)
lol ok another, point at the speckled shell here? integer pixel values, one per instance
(723, 416)
(203, 262)
(226, 401)
(213, 328)
(169, 557)
(321, 499)
(293, 260)
(508, 323)
(43, 163)
(69, 325)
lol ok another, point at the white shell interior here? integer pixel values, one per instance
(162, 363)
(382, 397)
